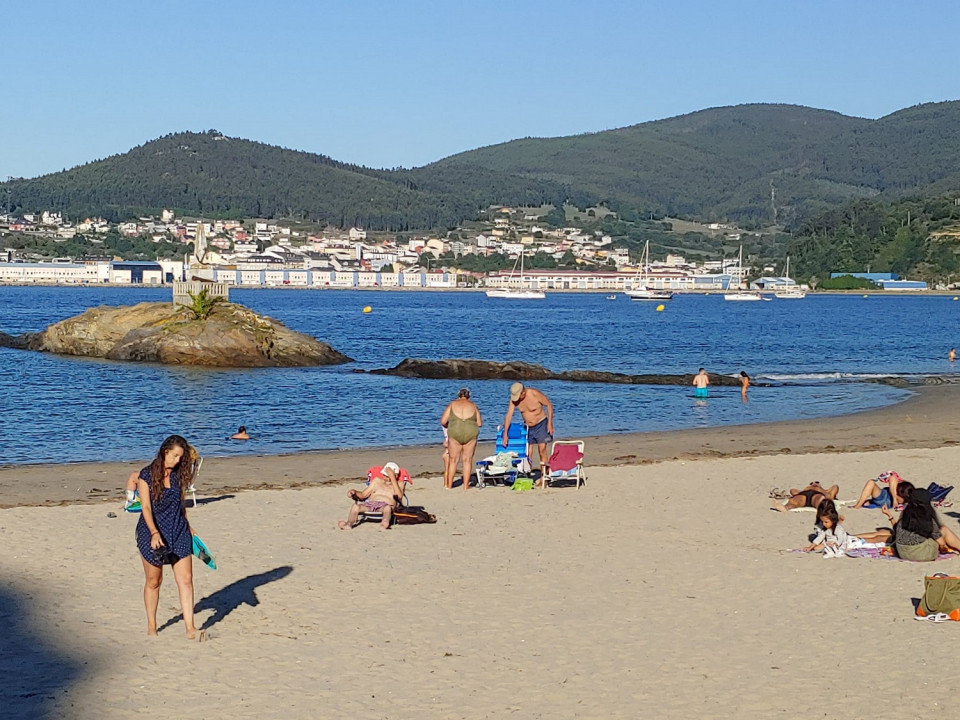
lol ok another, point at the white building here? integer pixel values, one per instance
(48, 273)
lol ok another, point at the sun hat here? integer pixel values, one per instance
(516, 390)
(392, 466)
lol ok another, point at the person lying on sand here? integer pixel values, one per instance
(811, 496)
(381, 495)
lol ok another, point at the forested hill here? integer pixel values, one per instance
(212, 175)
(750, 163)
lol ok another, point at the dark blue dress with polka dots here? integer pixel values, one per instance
(170, 519)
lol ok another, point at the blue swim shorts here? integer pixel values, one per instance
(537, 434)
(881, 500)
(700, 392)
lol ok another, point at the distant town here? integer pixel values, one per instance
(263, 253)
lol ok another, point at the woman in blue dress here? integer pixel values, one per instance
(164, 536)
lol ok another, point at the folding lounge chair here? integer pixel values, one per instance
(566, 461)
(197, 464)
(133, 506)
(494, 471)
(403, 479)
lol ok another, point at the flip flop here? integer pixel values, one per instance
(935, 618)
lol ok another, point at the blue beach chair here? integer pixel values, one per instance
(498, 469)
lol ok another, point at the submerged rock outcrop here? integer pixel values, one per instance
(468, 369)
(231, 336)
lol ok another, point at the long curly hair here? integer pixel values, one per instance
(919, 516)
(183, 469)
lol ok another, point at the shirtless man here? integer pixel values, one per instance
(381, 495)
(811, 496)
(700, 381)
(952, 355)
(531, 402)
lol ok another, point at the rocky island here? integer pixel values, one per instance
(230, 335)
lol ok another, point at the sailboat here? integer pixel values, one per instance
(519, 293)
(640, 290)
(738, 294)
(790, 292)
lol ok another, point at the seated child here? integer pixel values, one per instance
(831, 537)
(381, 495)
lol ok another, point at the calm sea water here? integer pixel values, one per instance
(57, 409)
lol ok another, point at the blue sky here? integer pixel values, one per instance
(405, 83)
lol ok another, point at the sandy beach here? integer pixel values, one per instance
(665, 588)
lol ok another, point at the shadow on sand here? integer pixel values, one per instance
(218, 498)
(226, 600)
(32, 671)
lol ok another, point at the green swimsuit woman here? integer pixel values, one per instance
(463, 430)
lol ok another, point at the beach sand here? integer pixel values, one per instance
(659, 590)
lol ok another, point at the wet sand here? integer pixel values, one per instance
(929, 419)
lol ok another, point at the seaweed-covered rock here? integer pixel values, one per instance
(469, 369)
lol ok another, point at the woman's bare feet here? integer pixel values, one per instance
(344, 525)
(191, 633)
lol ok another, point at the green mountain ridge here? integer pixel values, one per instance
(758, 164)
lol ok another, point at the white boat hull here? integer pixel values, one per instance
(743, 297)
(516, 294)
(649, 295)
(799, 295)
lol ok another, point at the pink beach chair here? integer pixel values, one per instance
(566, 461)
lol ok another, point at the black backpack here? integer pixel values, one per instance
(413, 515)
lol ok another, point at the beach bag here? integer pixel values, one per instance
(941, 594)
(413, 515)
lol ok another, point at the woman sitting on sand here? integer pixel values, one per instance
(462, 420)
(164, 536)
(919, 535)
(885, 535)
(879, 496)
(811, 496)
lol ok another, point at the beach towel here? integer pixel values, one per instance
(838, 503)
(885, 477)
(565, 457)
(504, 459)
(886, 553)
